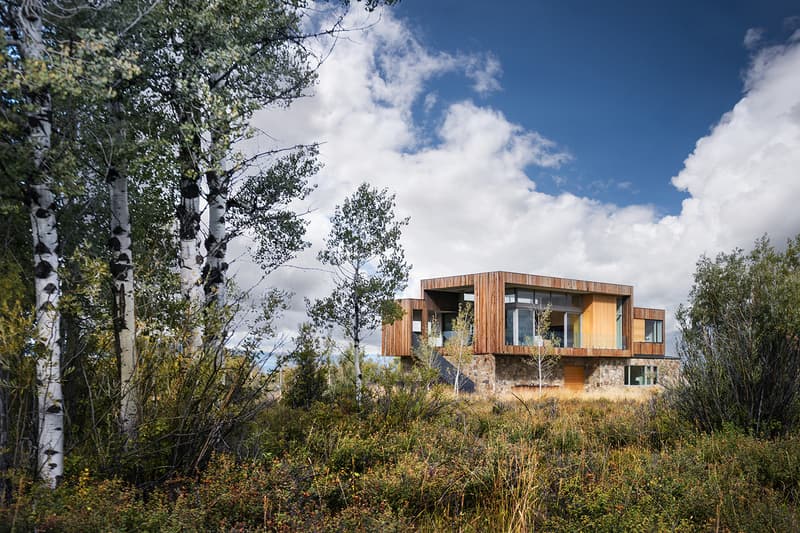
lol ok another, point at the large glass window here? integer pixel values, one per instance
(641, 375)
(653, 331)
(573, 321)
(522, 306)
(447, 325)
(620, 340)
(525, 326)
(510, 312)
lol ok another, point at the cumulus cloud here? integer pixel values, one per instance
(474, 208)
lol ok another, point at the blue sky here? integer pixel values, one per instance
(616, 144)
(626, 87)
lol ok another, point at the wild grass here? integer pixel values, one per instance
(423, 461)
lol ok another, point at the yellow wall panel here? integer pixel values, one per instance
(638, 330)
(599, 321)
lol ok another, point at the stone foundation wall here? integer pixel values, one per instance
(499, 374)
(481, 370)
(518, 372)
(513, 372)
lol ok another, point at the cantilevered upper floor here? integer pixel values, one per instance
(588, 318)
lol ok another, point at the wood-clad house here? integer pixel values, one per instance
(603, 339)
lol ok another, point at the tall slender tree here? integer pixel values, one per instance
(370, 268)
(41, 201)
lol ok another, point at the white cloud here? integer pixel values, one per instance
(430, 101)
(485, 73)
(752, 37)
(473, 207)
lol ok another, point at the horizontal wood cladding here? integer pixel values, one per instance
(646, 313)
(448, 282)
(568, 352)
(648, 348)
(438, 294)
(529, 280)
(396, 337)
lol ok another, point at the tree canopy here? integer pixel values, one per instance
(369, 267)
(740, 340)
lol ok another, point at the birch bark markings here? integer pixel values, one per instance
(40, 201)
(191, 261)
(48, 364)
(214, 271)
(216, 243)
(122, 287)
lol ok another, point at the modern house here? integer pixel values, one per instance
(603, 340)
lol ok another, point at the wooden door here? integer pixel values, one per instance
(573, 377)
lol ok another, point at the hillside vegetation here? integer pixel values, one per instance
(417, 460)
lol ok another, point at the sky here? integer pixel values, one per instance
(612, 143)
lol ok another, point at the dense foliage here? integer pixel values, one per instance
(369, 268)
(740, 344)
(116, 120)
(419, 461)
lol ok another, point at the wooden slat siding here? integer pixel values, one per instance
(648, 348)
(627, 323)
(489, 289)
(649, 313)
(396, 337)
(600, 321)
(569, 352)
(529, 280)
(489, 312)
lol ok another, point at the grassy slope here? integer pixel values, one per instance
(431, 464)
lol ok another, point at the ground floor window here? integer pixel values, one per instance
(641, 375)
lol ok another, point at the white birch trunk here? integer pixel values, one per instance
(124, 317)
(216, 243)
(191, 261)
(539, 361)
(48, 333)
(41, 204)
(214, 271)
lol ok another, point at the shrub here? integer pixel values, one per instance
(739, 341)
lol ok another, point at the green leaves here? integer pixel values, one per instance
(740, 340)
(364, 246)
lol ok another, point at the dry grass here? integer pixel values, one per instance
(615, 394)
(599, 461)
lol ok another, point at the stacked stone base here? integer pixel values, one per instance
(500, 374)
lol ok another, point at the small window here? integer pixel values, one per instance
(653, 331)
(641, 375)
(524, 297)
(559, 299)
(510, 296)
(416, 321)
(468, 296)
(574, 300)
(543, 298)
